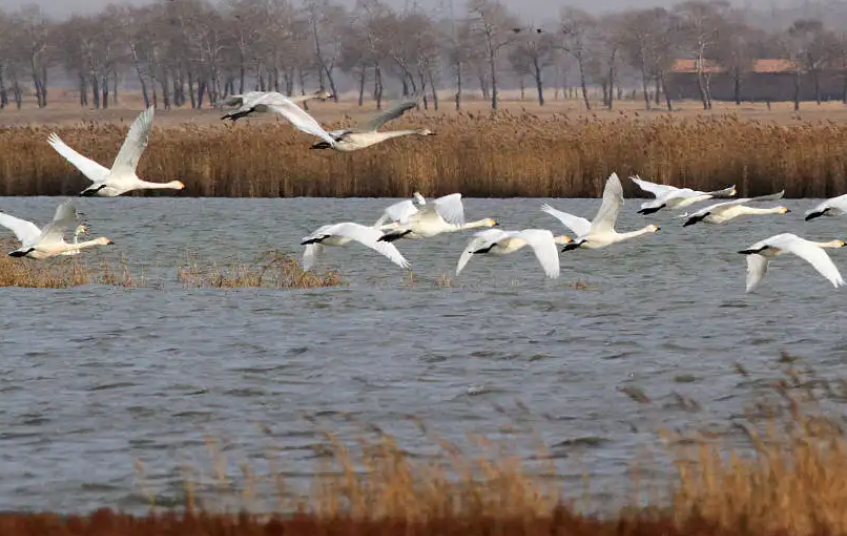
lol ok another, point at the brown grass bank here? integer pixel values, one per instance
(479, 154)
(785, 479)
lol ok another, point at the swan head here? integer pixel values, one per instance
(653, 228)
(491, 222)
(425, 132)
(323, 94)
(81, 229)
(103, 241)
(783, 210)
(177, 185)
(562, 239)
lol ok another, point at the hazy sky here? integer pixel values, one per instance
(528, 9)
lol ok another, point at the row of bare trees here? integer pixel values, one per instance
(194, 52)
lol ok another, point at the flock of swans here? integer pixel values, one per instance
(419, 219)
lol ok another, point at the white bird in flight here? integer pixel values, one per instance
(497, 242)
(121, 178)
(673, 197)
(445, 214)
(256, 101)
(723, 212)
(400, 211)
(347, 139)
(48, 242)
(340, 234)
(599, 232)
(834, 206)
(759, 254)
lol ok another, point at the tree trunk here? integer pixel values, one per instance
(115, 87)
(797, 75)
(658, 89)
(581, 65)
(4, 96)
(459, 85)
(493, 68)
(362, 76)
(432, 88)
(331, 81)
(539, 81)
(816, 79)
(737, 88)
(644, 82)
(83, 90)
(665, 92)
(95, 91)
(104, 87)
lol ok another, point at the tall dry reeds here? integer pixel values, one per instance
(499, 154)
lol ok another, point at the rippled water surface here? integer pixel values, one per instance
(95, 378)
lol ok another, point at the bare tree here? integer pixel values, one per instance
(532, 55)
(35, 44)
(494, 27)
(811, 47)
(648, 44)
(578, 29)
(736, 54)
(703, 25)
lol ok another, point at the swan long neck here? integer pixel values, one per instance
(485, 222)
(174, 185)
(397, 133)
(639, 232)
(86, 244)
(833, 244)
(754, 210)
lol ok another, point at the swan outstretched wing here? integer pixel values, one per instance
(88, 167)
(757, 267)
(310, 255)
(64, 218)
(369, 237)
(544, 246)
(834, 206)
(390, 113)
(606, 217)
(448, 207)
(480, 240)
(300, 119)
(26, 231)
(135, 142)
(652, 187)
(401, 212)
(809, 252)
(579, 225)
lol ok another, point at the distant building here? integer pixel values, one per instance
(768, 80)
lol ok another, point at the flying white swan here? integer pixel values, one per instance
(445, 214)
(673, 197)
(497, 242)
(834, 206)
(256, 101)
(121, 178)
(600, 232)
(48, 242)
(723, 212)
(759, 254)
(348, 139)
(340, 234)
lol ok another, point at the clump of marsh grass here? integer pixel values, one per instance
(519, 155)
(271, 270)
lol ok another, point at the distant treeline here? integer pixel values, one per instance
(191, 52)
(503, 155)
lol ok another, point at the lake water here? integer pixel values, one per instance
(95, 378)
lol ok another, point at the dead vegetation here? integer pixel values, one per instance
(272, 270)
(499, 154)
(778, 468)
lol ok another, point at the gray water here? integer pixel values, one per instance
(95, 378)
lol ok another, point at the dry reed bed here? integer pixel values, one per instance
(501, 155)
(270, 270)
(778, 467)
(787, 478)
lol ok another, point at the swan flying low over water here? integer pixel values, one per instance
(121, 178)
(834, 206)
(673, 197)
(445, 214)
(497, 242)
(760, 253)
(723, 212)
(340, 234)
(399, 212)
(600, 232)
(48, 242)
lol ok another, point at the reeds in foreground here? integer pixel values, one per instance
(272, 270)
(500, 154)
